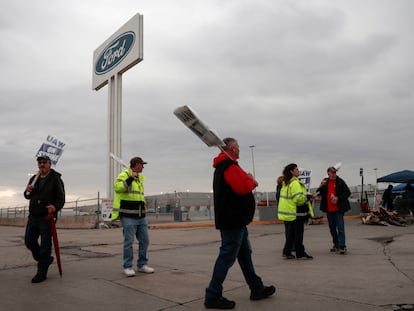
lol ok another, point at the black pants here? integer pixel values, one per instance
(294, 237)
(39, 227)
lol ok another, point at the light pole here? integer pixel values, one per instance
(254, 174)
(251, 148)
(363, 204)
(76, 206)
(375, 190)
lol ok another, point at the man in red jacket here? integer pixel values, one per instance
(234, 206)
(334, 194)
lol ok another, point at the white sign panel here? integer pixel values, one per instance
(53, 148)
(106, 209)
(305, 177)
(194, 123)
(121, 51)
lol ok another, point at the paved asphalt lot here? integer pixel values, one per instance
(376, 274)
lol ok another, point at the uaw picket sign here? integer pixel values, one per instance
(53, 148)
(120, 52)
(305, 177)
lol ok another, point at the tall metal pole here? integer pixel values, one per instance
(361, 173)
(254, 173)
(251, 148)
(114, 130)
(375, 190)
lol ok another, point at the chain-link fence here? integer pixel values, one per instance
(188, 205)
(71, 208)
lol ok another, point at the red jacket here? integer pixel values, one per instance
(239, 181)
(234, 203)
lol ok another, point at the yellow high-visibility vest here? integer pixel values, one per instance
(128, 200)
(291, 196)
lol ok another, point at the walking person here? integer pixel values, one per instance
(334, 194)
(294, 209)
(47, 196)
(129, 206)
(234, 206)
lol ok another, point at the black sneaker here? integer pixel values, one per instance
(288, 256)
(342, 251)
(266, 292)
(334, 249)
(221, 303)
(304, 257)
(39, 278)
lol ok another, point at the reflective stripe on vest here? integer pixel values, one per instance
(131, 211)
(292, 214)
(287, 197)
(118, 210)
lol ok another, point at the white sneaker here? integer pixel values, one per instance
(129, 272)
(146, 269)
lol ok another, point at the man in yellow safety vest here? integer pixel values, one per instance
(129, 206)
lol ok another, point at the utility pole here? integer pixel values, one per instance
(251, 148)
(254, 173)
(362, 204)
(375, 190)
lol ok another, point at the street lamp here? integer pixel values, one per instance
(254, 173)
(76, 206)
(363, 204)
(251, 148)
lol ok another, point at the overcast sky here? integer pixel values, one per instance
(310, 82)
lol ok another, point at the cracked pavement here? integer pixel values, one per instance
(377, 273)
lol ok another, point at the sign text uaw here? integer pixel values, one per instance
(53, 148)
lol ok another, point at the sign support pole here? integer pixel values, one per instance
(114, 129)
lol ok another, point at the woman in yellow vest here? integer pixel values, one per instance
(294, 209)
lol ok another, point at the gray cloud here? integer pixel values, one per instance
(311, 82)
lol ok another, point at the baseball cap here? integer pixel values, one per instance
(43, 157)
(135, 160)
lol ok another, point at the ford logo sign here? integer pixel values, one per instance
(115, 52)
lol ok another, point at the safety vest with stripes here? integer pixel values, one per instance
(129, 200)
(292, 196)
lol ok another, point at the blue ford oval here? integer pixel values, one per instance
(115, 52)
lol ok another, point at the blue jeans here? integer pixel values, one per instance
(337, 229)
(39, 227)
(235, 244)
(135, 227)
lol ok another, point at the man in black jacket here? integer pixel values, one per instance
(47, 196)
(334, 194)
(234, 206)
